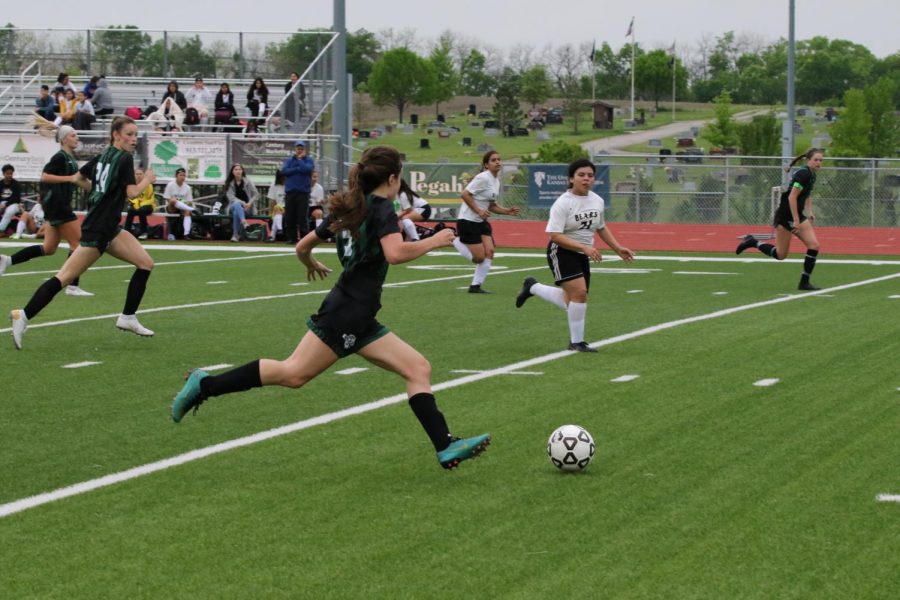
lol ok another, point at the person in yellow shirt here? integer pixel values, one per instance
(140, 206)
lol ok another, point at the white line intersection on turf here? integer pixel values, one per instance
(23, 504)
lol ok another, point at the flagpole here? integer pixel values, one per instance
(632, 69)
(674, 66)
(593, 75)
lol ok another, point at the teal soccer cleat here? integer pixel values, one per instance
(463, 449)
(189, 397)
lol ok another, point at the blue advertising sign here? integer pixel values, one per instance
(547, 182)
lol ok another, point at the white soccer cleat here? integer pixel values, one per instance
(19, 325)
(5, 262)
(130, 323)
(74, 290)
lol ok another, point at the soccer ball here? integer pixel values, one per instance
(570, 448)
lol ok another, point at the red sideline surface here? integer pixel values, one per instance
(707, 238)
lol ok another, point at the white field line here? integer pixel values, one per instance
(702, 273)
(510, 373)
(699, 259)
(624, 378)
(78, 365)
(142, 470)
(888, 497)
(351, 371)
(144, 311)
(766, 382)
(156, 264)
(215, 367)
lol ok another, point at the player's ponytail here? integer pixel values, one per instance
(807, 155)
(376, 165)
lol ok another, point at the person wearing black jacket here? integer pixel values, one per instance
(10, 196)
(173, 92)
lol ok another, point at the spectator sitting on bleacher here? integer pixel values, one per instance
(141, 207)
(173, 92)
(102, 100)
(258, 98)
(44, 104)
(224, 104)
(90, 87)
(84, 112)
(276, 205)
(10, 197)
(66, 109)
(179, 199)
(294, 105)
(199, 98)
(317, 200)
(242, 197)
(63, 81)
(168, 116)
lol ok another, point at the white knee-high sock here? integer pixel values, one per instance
(20, 227)
(553, 295)
(319, 222)
(410, 228)
(276, 224)
(187, 226)
(182, 206)
(577, 311)
(481, 271)
(462, 249)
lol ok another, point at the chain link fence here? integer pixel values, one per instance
(727, 190)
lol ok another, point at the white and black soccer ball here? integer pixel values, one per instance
(570, 448)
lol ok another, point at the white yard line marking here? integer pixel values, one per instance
(86, 486)
(766, 382)
(351, 371)
(155, 264)
(624, 378)
(702, 273)
(895, 297)
(720, 293)
(298, 284)
(215, 282)
(243, 300)
(608, 271)
(78, 365)
(699, 259)
(634, 292)
(215, 367)
(888, 497)
(510, 373)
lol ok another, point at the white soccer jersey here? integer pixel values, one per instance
(578, 217)
(418, 204)
(317, 195)
(485, 189)
(179, 192)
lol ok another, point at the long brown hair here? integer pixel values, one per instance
(348, 209)
(118, 124)
(807, 155)
(487, 158)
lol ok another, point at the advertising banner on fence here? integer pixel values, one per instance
(440, 184)
(261, 158)
(27, 152)
(547, 182)
(204, 158)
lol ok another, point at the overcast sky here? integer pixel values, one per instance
(501, 23)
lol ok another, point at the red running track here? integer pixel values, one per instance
(707, 238)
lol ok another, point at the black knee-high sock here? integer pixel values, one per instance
(432, 420)
(77, 279)
(809, 263)
(42, 297)
(136, 288)
(768, 249)
(240, 379)
(26, 254)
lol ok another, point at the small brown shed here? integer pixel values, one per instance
(603, 115)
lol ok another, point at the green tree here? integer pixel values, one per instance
(721, 132)
(506, 108)
(884, 137)
(611, 72)
(185, 58)
(761, 136)
(850, 135)
(474, 80)
(536, 85)
(118, 48)
(446, 79)
(363, 50)
(653, 75)
(298, 51)
(8, 62)
(890, 67)
(400, 77)
(825, 68)
(557, 152)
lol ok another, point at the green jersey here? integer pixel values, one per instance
(111, 172)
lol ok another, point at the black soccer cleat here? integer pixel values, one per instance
(806, 286)
(525, 294)
(476, 289)
(748, 242)
(581, 347)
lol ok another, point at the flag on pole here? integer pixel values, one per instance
(630, 27)
(671, 53)
(593, 50)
